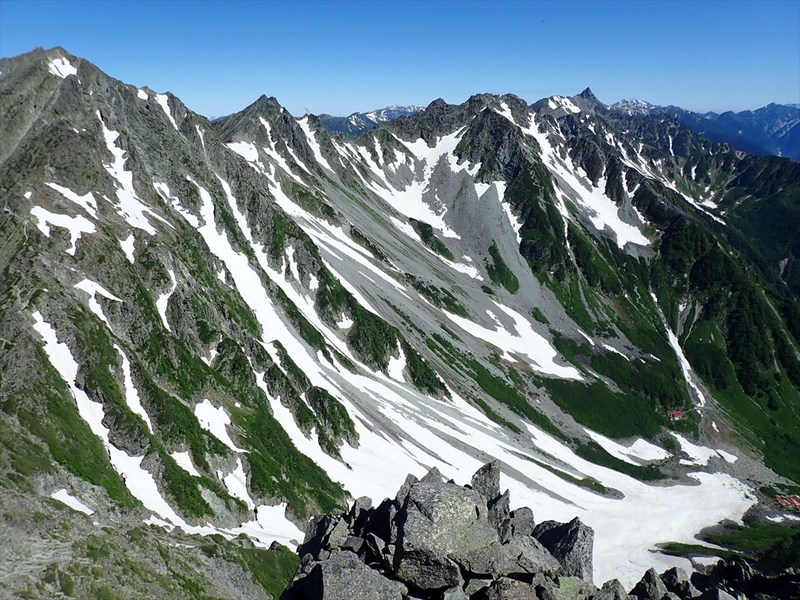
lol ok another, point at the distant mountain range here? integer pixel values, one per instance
(361, 122)
(771, 130)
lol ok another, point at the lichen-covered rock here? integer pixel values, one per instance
(439, 520)
(344, 577)
(612, 590)
(427, 570)
(486, 480)
(508, 589)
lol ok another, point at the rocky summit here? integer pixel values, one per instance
(438, 540)
(214, 331)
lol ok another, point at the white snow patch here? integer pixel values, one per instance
(638, 452)
(313, 143)
(163, 190)
(142, 94)
(61, 67)
(129, 206)
(408, 201)
(64, 496)
(163, 101)
(92, 288)
(76, 226)
(249, 152)
(184, 461)
(396, 366)
(526, 342)
(131, 393)
(215, 420)
(556, 102)
(138, 481)
(86, 202)
(271, 525)
(686, 367)
(28, 195)
(700, 455)
(615, 351)
(163, 300)
(731, 458)
(236, 482)
(128, 248)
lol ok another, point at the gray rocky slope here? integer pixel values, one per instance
(222, 329)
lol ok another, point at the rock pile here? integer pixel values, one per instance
(438, 540)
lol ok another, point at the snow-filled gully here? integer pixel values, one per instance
(413, 432)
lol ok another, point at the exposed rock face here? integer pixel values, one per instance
(344, 577)
(439, 541)
(650, 587)
(570, 543)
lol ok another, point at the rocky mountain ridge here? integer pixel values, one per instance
(770, 130)
(361, 122)
(221, 329)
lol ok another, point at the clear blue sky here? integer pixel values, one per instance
(342, 57)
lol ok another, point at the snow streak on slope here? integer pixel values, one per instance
(65, 497)
(163, 101)
(139, 481)
(408, 199)
(599, 208)
(131, 393)
(92, 288)
(163, 300)
(86, 202)
(525, 342)
(216, 421)
(129, 206)
(313, 143)
(184, 461)
(128, 247)
(76, 226)
(638, 452)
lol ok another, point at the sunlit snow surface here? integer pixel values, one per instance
(599, 208)
(215, 420)
(163, 300)
(86, 202)
(163, 101)
(129, 205)
(61, 67)
(184, 461)
(525, 342)
(65, 497)
(76, 226)
(93, 289)
(638, 452)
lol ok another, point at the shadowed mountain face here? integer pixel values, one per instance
(772, 130)
(220, 329)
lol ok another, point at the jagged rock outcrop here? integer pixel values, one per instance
(436, 540)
